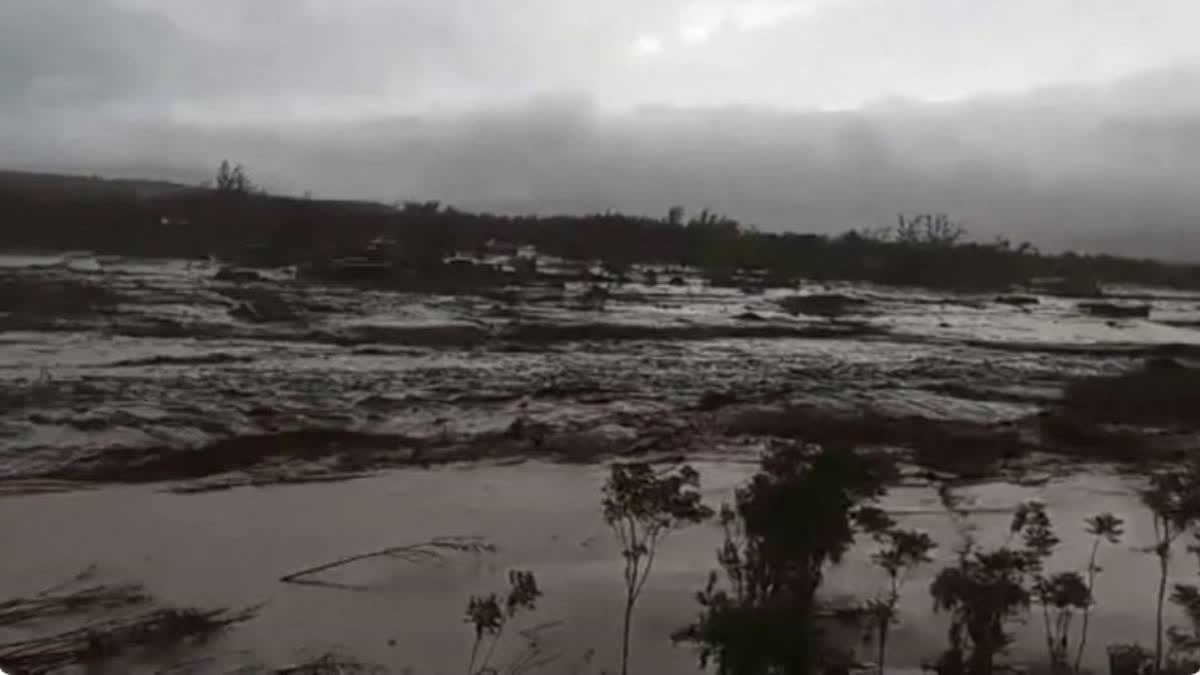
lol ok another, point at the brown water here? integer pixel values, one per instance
(230, 548)
(171, 367)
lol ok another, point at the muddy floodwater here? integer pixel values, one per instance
(205, 437)
(231, 547)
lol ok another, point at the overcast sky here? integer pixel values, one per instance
(1062, 120)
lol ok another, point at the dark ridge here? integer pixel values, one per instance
(147, 218)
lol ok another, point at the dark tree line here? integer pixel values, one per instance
(929, 249)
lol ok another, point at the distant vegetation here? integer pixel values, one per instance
(642, 507)
(233, 179)
(236, 220)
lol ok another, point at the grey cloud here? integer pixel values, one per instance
(275, 57)
(228, 58)
(66, 52)
(862, 49)
(1065, 167)
(547, 117)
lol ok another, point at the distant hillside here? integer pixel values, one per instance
(53, 186)
(166, 219)
(61, 186)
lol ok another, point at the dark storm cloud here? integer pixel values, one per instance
(92, 53)
(226, 60)
(75, 52)
(536, 105)
(235, 60)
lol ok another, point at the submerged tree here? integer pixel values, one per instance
(642, 506)
(983, 592)
(1173, 497)
(1102, 527)
(903, 551)
(798, 514)
(1061, 596)
(987, 590)
(1185, 645)
(489, 615)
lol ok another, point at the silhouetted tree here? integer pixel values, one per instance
(1173, 497)
(642, 507)
(1106, 527)
(986, 590)
(429, 208)
(928, 229)
(489, 615)
(233, 179)
(797, 515)
(1060, 595)
(903, 550)
(1185, 644)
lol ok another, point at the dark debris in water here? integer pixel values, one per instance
(75, 596)
(112, 639)
(422, 553)
(110, 622)
(822, 304)
(149, 465)
(325, 664)
(214, 359)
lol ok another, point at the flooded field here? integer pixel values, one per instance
(205, 435)
(230, 548)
